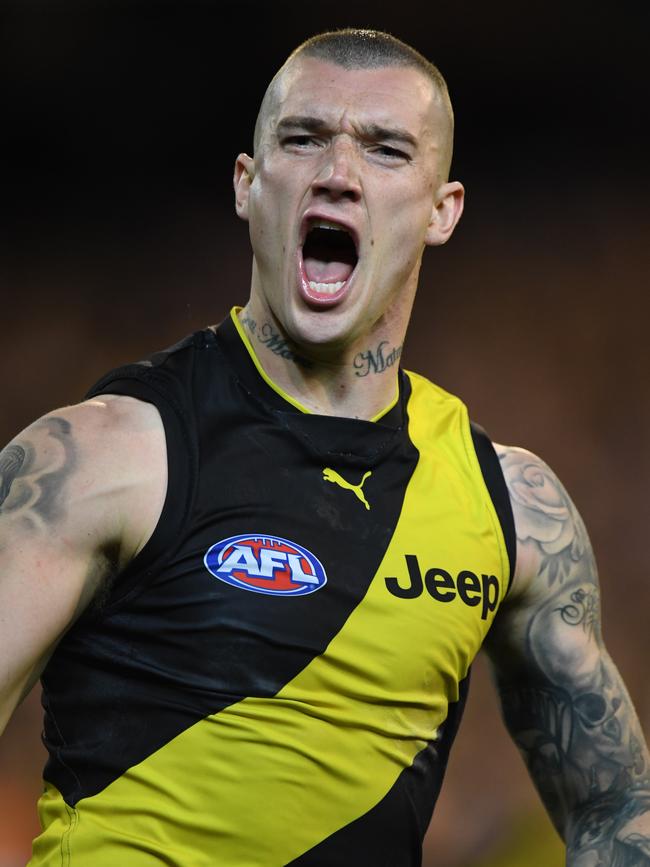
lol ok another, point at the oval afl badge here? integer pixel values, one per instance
(265, 564)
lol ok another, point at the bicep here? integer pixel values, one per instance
(50, 559)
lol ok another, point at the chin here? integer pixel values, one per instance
(331, 328)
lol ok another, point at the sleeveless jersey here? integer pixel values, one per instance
(278, 675)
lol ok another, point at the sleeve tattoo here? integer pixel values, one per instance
(566, 705)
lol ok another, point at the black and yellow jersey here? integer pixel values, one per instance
(277, 677)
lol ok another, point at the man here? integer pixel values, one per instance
(253, 571)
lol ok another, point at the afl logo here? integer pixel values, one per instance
(265, 564)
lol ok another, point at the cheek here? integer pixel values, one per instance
(407, 214)
(272, 200)
(402, 243)
(263, 216)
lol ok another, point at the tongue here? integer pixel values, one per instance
(327, 272)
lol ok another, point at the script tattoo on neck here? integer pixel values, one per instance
(567, 708)
(34, 469)
(376, 361)
(268, 336)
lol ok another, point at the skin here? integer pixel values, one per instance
(81, 490)
(394, 194)
(563, 699)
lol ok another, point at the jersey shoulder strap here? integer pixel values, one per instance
(496, 485)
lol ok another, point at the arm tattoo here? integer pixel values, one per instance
(31, 479)
(546, 516)
(11, 461)
(566, 705)
(376, 361)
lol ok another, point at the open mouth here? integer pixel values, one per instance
(329, 255)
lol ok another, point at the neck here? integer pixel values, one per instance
(360, 381)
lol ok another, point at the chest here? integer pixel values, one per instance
(308, 542)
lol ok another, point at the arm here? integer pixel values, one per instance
(562, 697)
(80, 493)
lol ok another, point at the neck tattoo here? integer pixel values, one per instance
(376, 361)
(267, 335)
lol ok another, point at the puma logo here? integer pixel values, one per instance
(330, 475)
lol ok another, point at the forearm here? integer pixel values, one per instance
(588, 761)
(612, 830)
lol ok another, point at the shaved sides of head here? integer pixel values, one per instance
(366, 49)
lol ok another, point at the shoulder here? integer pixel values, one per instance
(95, 471)
(551, 538)
(111, 417)
(123, 443)
(556, 578)
(110, 433)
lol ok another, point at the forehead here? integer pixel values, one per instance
(386, 95)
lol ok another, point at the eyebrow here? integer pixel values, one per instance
(375, 132)
(371, 131)
(310, 124)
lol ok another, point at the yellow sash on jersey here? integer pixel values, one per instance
(266, 779)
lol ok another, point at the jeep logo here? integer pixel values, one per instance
(469, 587)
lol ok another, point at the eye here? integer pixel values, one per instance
(391, 154)
(301, 142)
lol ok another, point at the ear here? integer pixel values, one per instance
(446, 212)
(242, 180)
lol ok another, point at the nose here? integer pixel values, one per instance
(338, 177)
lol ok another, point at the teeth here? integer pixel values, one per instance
(326, 288)
(327, 224)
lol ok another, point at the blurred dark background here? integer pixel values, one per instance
(120, 126)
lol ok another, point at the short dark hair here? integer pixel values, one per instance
(367, 49)
(354, 48)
